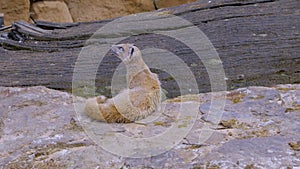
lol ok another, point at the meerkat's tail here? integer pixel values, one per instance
(92, 109)
(102, 109)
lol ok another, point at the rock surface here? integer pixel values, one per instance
(242, 32)
(14, 10)
(52, 11)
(78, 10)
(170, 3)
(259, 128)
(92, 10)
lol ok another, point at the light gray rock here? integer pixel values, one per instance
(44, 128)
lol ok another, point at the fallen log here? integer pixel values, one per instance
(257, 41)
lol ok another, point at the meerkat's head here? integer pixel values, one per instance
(126, 52)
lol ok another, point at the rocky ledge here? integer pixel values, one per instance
(259, 127)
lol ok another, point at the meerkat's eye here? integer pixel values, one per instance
(121, 49)
(131, 50)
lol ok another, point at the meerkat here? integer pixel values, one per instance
(141, 97)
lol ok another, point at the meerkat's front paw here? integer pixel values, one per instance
(101, 99)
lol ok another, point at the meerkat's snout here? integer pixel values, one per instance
(117, 49)
(123, 52)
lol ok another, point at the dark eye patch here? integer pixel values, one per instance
(121, 48)
(131, 51)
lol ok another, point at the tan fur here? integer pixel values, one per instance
(141, 98)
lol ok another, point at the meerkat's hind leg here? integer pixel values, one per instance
(92, 109)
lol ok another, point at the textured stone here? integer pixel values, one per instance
(1, 20)
(92, 10)
(225, 20)
(52, 11)
(77, 10)
(14, 10)
(48, 129)
(170, 3)
(103, 9)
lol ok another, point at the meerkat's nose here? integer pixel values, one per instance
(113, 48)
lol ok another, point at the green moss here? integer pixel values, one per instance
(169, 78)
(228, 123)
(211, 166)
(194, 146)
(261, 133)
(285, 89)
(236, 100)
(250, 166)
(236, 96)
(185, 98)
(84, 91)
(73, 125)
(182, 125)
(296, 108)
(258, 97)
(295, 145)
(160, 123)
(28, 103)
